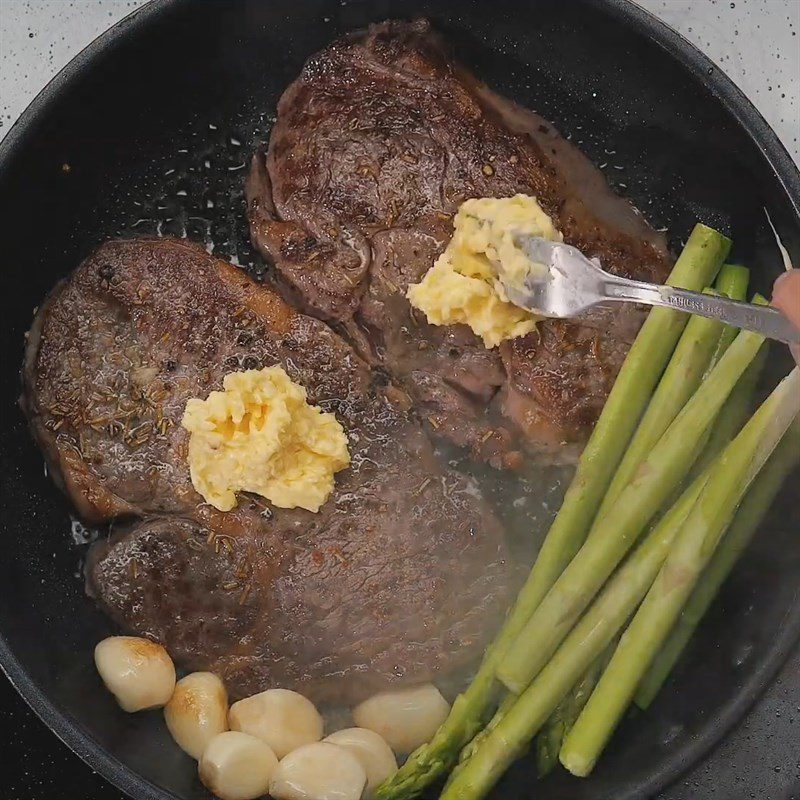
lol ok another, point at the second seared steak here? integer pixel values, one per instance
(400, 577)
(376, 144)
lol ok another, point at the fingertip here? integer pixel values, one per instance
(786, 295)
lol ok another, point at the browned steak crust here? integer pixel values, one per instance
(400, 577)
(376, 144)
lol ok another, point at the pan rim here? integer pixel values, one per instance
(703, 70)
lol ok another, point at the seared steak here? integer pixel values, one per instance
(376, 145)
(400, 576)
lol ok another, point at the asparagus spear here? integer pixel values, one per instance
(696, 267)
(475, 743)
(681, 378)
(587, 640)
(560, 722)
(692, 358)
(752, 511)
(613, 535)
(694, 546)
(732, 281)
(733, 414)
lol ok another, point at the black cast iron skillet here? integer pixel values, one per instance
(149, 130)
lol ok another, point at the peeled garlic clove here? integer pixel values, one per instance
(236, 766)
(138, 672)
(318, 771)
(371, 751)
(197, 712)
(405, 718)
(285, 720)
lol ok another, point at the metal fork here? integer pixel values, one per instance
(574, 283)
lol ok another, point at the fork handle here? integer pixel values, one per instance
(751, 317)
(762, 319)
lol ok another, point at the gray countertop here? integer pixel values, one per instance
(755, 41)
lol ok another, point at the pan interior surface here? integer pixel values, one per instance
(150, 133)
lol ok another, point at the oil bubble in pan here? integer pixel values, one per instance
(197, 191)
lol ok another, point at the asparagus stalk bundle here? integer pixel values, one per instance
(580, 656)
(620, 597)
(696, 267)
(613, 535)
(698, 350)
(751, 512)
(707, 521)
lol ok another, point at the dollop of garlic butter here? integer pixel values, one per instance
(261, 435)
(463, 285)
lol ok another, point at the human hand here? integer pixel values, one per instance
(786, 297)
